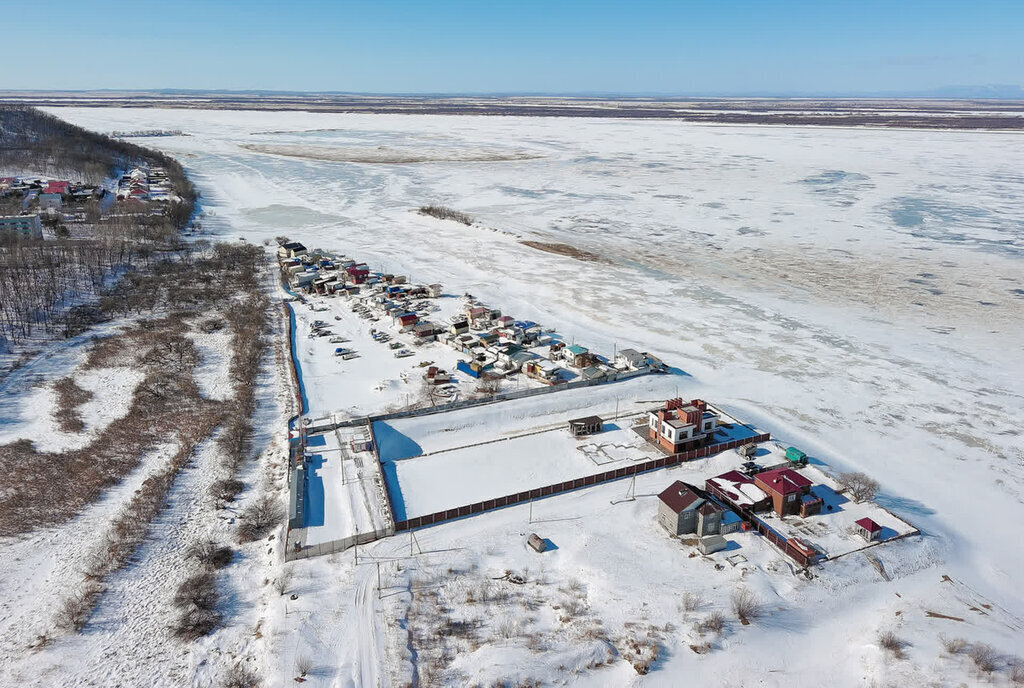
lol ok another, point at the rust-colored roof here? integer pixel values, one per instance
(679, 496)
(868, 525)
(782, 481)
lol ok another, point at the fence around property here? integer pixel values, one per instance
(574, 484)
(340, 545)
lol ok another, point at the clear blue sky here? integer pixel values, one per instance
(456, 46)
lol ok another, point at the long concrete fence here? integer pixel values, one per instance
(574, 484)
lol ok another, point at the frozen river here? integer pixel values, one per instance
(859, 293)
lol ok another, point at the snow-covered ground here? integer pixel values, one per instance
(858, 293)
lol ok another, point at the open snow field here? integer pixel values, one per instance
(858, 293)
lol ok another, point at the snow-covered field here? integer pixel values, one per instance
(858, 293)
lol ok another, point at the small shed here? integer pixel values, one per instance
(586, 426)
(868, 529)
(537, 542)
(711, 544)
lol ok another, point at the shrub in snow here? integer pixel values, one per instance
(240, 677)
(745, 605)
(712, 623)
(691, 601)
(304, 665)
(1017, 672)
(953, 646)
(196, 600)
(983, 656)
(258, 518)
(211, 555)
(888, 641)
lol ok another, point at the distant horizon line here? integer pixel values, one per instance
(989, 92)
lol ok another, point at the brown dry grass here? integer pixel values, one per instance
(566, 250)
(69, 397)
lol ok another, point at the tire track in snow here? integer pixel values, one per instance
(367, 667)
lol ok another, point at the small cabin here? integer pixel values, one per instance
(537, 542)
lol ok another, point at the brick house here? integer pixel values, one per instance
(790, 492)
(680, 426)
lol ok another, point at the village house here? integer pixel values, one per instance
(542, 369)
(738, 491)
(435, 291)
(50, 201)
(577, 356)
(59, 188)
(679, 426)
(424, 331)
(683, 510)
(357, 273)
(790, 492)
(592, 373)
(631, 359)
(406, 321)
(292, 249)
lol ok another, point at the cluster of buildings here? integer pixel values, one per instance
(739, 499)
(500, 345)
(28, 200)
(493, 344)
(143, 184)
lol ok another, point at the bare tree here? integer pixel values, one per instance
(860, 486)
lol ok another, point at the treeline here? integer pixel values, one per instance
(35, 141)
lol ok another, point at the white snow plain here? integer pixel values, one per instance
(856, 292)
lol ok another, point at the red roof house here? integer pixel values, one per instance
(56, 187)
(786, 488)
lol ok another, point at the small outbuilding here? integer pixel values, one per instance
(868, 529)
(586, 426)
(537, 542)
(712, 544)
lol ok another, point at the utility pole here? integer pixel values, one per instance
(378, 580)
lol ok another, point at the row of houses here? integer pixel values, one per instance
(502, 345)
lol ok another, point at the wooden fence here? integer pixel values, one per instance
(574, 484)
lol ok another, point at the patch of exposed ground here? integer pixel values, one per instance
(566, 250)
